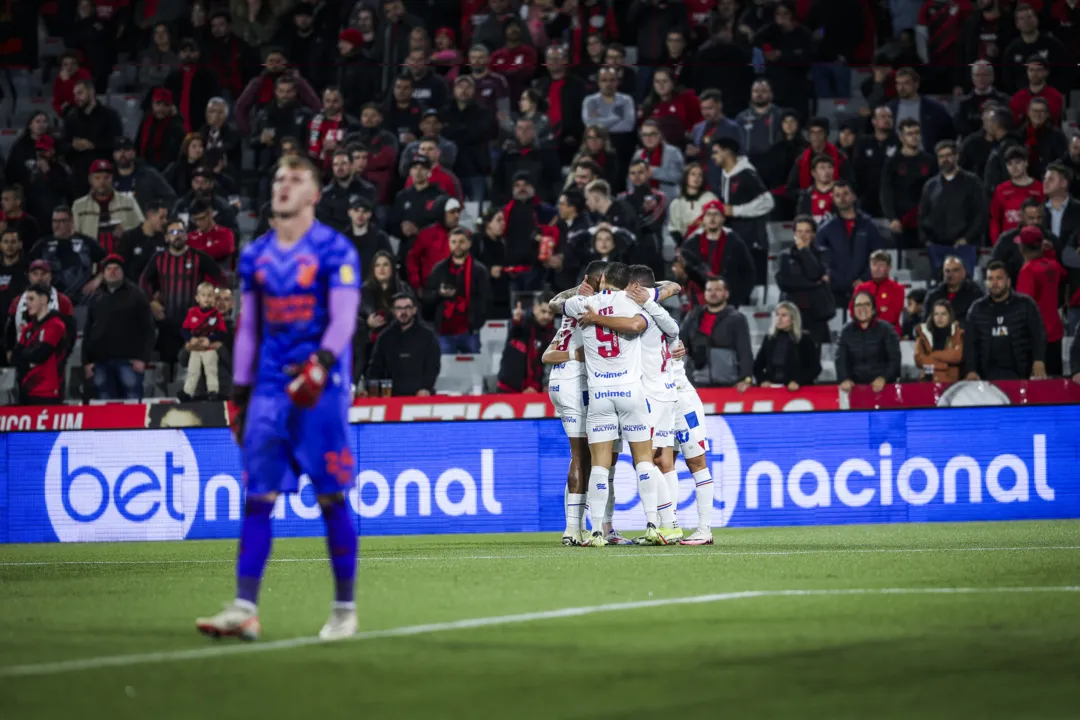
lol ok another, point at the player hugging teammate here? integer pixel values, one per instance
(615, 373)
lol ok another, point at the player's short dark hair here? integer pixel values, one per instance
(712, 94)
(945, 145)
(575, 199)
(821, 123)
(642, 275)
(199, 207)
(594, 270)
(804, 219)
(617, 275)
(1061, 170)
(1031, 202)
(996, 265)
(154, 205)
(822, 158)
(40, 289)
(918, 295)
(1016, 153)
(730, 144)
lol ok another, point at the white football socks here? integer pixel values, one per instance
(609, 509)
(575, 505)
(672, 480)
(664, 505)
(647, 489)
(597, 495)
(703, 490)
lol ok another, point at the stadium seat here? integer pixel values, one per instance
(7, 139)
(246, 223)
(1066, 347)
(26, 107)
(781, 235)
(908, 369)
(461, 374)
(51, 47)
(8, 388)
(494, 334)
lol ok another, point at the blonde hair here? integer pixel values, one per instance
(796, 320)
(299, 162)
(206, 287)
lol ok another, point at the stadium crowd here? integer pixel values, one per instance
(480, 153)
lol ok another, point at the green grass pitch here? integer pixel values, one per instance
(750, 644)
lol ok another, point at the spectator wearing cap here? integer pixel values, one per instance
(1043, 140)
(216, 241)
(74, 258)
(441, 177)
(328, 129)
(887, 293)
(105, 214)
(262, 89)
(429, 88)
(1007, 248)
(1038, 72)
(801, 177)
(219, 133)
(38, 353)
(344, 188)
(902, 181)
(431, 129)
(382, 152)
(868, 349)
(138, 245)
(203, 185)
(366, 238)
(1004, 338)
(565, 94)
(407, 352)
(952, 210)
(138, 179)
(355, 69)
(715, 251)
(431, 245)
(40, 274)
(191, 85)
(934, 120)
(170, 281)
(469, 126)
(1006, 206)
(665, 161)
(14, 216)
(848, 239)
(118, 338)
(161, 131)
(90, 129)
(414, 206)
(1030, 43)
(50, 183)
(230, 58)
(1041, 278)
(457, 295)
(305, 43)
(526, 156)
(512, 55)
(747, 202)
(526, 214)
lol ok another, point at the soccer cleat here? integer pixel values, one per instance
(651, 537)
(670, 535)
(236, 620)
(595, 540)
(342, 623)
(570, 538)
(698, 537)
(614, 538)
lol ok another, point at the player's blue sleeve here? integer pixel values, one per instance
(246, 267)
(342, 264)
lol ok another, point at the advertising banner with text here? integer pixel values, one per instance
(508, 476)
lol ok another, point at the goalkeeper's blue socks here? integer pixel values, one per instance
(341, 540)
(256, 538)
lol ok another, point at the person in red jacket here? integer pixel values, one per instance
(39, 273)
(432, 244)
(1037, 73)
(1009, 196)
(38, 354)
(216, 241)
(1040, 278)
(203, 330)
(64, 84)
(676, 109)
(888, 294)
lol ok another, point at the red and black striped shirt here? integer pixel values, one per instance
(176, 277)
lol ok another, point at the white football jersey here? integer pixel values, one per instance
(678, 369)
(568, 339)
(655, 356)
(611, 359)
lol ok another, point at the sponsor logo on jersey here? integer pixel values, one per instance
(609, 375)
(553, 388)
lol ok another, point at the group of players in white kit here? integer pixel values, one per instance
(618, 372)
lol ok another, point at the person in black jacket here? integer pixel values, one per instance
(747, 202)
(868, 350)
(1074, 357)
(138, 245)
(526, 155)
(788, 357)
(406, 353)
(522, 369)
(366, 238)
(469, 126)
(960, 290)
(118, 338)
(871, 152)
(717, 325)
(1007, 250)
(489, 247)
(803, 280)
(1004, 338)
(714, 251)
(355, 69)
(345, 188)
(569, 128)
(969, 111)
(457, 295)
(902, 181)
(789, 49)
(90, 129)
(953, 210)
(201, 81)
(381, 285)
(413, 206)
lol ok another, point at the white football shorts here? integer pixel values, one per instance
(662, 421)
(619, 408)
(569, 396)
(690, 425)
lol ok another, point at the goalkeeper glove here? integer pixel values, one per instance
(306, 387)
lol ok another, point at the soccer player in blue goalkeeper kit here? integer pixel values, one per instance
(300, 291)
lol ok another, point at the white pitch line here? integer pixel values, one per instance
(558, 554)
(109, 661)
